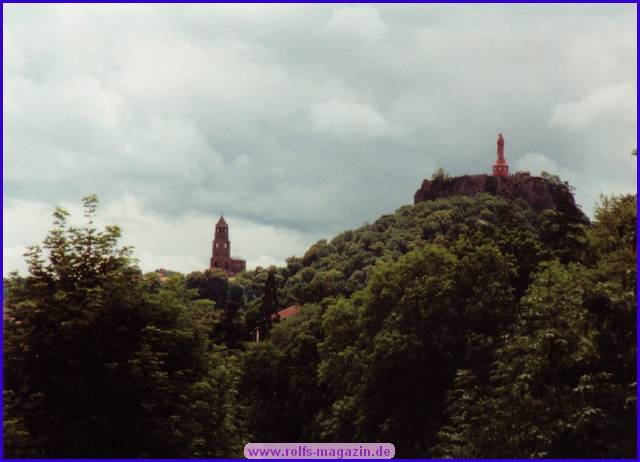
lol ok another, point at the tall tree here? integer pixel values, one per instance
(563, 383)
(269, 304)
(101, 362)
(422, 317)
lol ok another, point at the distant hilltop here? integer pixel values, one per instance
(539, 192)
(545, 192)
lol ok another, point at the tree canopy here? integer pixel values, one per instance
(103, 361)
(466, 327)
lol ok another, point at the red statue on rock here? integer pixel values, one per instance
(500, 168)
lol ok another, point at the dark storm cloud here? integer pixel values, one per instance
(303, 120)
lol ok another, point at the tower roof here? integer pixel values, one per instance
(221, 221)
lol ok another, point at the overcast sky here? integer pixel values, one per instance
(299, 121)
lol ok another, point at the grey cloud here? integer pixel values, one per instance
(308, 118)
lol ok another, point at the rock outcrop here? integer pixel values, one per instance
(539, 193)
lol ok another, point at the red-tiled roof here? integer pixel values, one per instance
(221, 221)
(288, 312)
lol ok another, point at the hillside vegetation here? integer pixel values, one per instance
(461, 327)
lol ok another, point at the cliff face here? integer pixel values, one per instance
(540, 193)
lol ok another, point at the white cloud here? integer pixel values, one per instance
(340, 117)
(361, 22)
(181, 244)
(616, 102)
(25, 223)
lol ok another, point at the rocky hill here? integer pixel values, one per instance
(538, 192)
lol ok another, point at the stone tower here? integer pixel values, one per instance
(500, 168)
(221, 251)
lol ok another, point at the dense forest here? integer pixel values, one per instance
(462, 327)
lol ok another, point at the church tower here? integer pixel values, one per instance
(500, 168)
(221, 244)
(221, 251)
